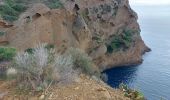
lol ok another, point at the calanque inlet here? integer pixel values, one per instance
(106, 31)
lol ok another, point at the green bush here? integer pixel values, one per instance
(116, 44)
(2, 33)
(53, 4)
(9, 2)
(121, 41)
(7, 10)
(98, 39)
(29, 50)
(22, 1)
(83, 62)
(9, 18)
(7, 53)
(11, 10)
(19, 7)
(50, 46)
(131, 93)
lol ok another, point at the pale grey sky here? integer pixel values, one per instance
(150, 2)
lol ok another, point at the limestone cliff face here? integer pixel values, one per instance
(105, 29)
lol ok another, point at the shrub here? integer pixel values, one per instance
(9, 18)
(9, 2)
(19, 7)
(2, 33)
(31, 68)
(29, 50)
(7, 10)
(116, 44)
(41, 67)
(53, 4)
(98, 39)
(7, 53)
(50, 46)
(121, 41)
(11, 10)
(82, 61)
(22, 1)
(64, 67)
(131, 93)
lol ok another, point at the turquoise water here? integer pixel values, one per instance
(153, 76)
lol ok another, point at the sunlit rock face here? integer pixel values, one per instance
(107, 30)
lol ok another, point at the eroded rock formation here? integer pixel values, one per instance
(91, 25)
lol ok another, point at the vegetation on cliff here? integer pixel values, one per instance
(42, 67)
(37, 69)
(2, 33)
(53, 4)
(11, 9)
(131, 93)
(121, 41)
(7, 53)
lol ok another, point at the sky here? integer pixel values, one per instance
(150, 2)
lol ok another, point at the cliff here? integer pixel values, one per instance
(107, 30)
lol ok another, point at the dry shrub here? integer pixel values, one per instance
(64, 67)
(37, 70)
(31, 67)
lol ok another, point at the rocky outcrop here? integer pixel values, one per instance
(95, 26)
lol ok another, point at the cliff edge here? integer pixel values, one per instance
(84, 89)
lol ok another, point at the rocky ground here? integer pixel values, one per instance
(84, 88)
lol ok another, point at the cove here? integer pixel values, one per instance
(152, 77)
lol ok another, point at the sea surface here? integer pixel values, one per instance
(153, 76)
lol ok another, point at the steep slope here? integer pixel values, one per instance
(105, 29)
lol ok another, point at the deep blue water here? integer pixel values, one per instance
(153, 76)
